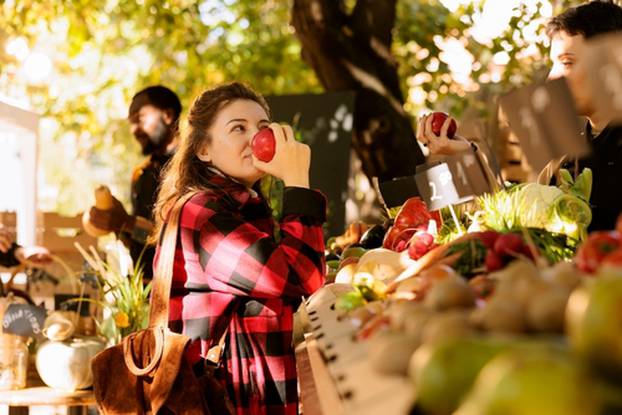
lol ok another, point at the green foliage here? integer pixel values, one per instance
(421, 47)
(102, 52)
(122, 293)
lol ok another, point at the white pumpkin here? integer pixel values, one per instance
(67, 364)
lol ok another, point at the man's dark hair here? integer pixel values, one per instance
(159, 96)
(590, 19)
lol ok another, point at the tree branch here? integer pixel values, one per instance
(349, 58)
(375, 19)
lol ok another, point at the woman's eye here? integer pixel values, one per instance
(238, 127)
(567, 63)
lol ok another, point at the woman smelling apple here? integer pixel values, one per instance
(231, 275)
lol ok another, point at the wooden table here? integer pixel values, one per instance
(19, 400)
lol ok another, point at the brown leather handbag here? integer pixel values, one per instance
(147, 373)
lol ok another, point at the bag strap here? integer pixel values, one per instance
(158, 333)
(163, 274)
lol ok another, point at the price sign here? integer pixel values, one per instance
(456, 179)
(23, 319)
(470, 179)
(602, 60)
(395, 192)
(436, 185)
(544, 118)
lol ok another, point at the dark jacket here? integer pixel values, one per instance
(606, 164)
(145, 184)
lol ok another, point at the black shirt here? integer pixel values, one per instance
(145, 184)
(606, 164)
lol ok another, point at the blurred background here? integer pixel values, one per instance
(78, 63)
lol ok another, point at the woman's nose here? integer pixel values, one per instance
(252, 131)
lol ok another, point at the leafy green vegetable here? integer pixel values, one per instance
(560, 210)
(473, 257)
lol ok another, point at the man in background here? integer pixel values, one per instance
(153, 117)
(569, 32)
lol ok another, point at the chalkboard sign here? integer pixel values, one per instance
(24, 319)
(603, 72)
(544, 118)
(395, 192)
(324, 121)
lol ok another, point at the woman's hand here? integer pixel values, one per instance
(439, 144)
(291, 159)
(33, 255)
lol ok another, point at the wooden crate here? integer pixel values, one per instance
(335, 374)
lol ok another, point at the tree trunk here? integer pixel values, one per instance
(353, 52)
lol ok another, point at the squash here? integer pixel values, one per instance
(67, 364)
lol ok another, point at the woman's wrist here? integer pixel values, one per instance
(296, 182)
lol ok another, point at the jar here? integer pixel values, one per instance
(13, 361)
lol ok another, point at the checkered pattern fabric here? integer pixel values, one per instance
(230, 273)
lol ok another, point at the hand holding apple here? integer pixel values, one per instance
(263, 144)
(290, 160)
(439, 119)
(438, 132)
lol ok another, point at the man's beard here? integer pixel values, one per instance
(157, 139)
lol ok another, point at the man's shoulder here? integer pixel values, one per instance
(139, 169)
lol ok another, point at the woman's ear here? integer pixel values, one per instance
(205, 157)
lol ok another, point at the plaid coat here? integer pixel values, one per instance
(231, 274)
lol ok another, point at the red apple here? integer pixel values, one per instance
(493, 261)
(438, 119)
(509, 244)
(263, 145)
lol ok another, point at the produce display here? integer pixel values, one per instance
(507, 307)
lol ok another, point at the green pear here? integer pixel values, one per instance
(539, 382)
(444, 371)
(594, 323)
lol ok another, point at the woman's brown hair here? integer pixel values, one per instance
(185, 172)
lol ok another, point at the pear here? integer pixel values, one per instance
(451, 292)
(539, 382)
(594, 324)
(503, 314)
(401, 311)
(452, 323)
(545, 310)
(390, 352)
(444, 371)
